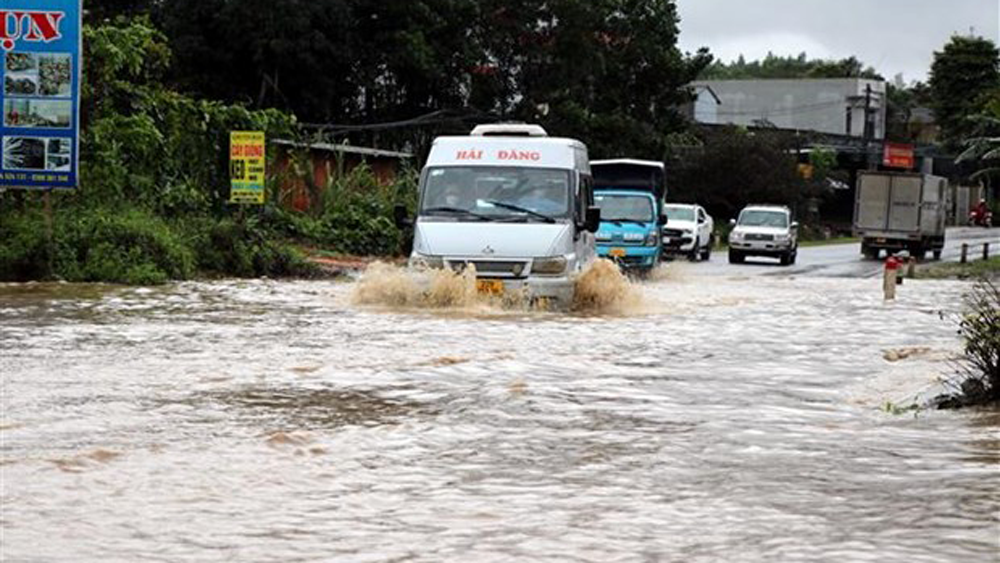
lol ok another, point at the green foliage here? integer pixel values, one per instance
(963, 74)
(244, 248)
(154, 181)
(126, 245)
(23, 249)
(774, 66)
(734, 168)
(822, 161)
(355, 214)
(982, 147)
(901, 101)
(608, 71)
(979, 327)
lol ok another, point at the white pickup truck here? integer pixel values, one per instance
(688, 231)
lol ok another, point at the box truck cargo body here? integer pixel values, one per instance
(900, 211)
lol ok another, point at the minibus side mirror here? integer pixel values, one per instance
(795, 224)
(403, 220)
(732, 222)
(593, 220)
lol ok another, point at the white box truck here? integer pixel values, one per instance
(895, 211)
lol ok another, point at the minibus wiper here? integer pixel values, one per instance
(619, 221)
(458, 210)
(513, 207)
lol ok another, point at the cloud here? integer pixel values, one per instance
(892, 35)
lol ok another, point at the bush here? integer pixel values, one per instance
(124, 245)
(244, 248)
(23, 252)
(980, 328)
(354, 215)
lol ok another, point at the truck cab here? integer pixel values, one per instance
(630, 196)
(512, 202)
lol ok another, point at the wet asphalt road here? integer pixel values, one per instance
(845, 260)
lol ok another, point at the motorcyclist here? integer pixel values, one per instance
(981, 213)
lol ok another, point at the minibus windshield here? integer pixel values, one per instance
(496, 192)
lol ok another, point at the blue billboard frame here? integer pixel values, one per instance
(41, 42)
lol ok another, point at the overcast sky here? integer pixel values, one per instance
(894, 36)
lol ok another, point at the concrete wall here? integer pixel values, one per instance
(835, 106)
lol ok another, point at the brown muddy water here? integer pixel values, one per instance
(715, 419)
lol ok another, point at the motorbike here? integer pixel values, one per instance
(979, 218)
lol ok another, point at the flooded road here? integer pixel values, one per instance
(729, 419)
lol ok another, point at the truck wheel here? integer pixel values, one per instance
(735, 257)
(693, 255)
(785, 258)
(937, 254)
(706, 254)
(795, 254)
(869, 252)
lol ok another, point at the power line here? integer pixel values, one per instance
(433, 118)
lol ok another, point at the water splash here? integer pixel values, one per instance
(603, 289)
(392, 286)
(600, 289)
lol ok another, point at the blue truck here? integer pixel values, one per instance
(630, 195)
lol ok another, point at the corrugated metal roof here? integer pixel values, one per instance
(349, 149)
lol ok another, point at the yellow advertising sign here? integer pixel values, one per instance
(246, 167)
(806, 171)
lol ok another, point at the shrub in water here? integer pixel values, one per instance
(980, 328)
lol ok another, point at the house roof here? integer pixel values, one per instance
(343, 148)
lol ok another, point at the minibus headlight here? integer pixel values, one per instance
(652, 239)
(551, 265)
(426, 261)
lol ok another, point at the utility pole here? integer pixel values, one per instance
(869, 126)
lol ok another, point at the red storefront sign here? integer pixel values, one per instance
(898, 155)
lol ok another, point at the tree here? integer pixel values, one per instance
(607, 71)
(773, 66)
(735, 167)
(963, 73)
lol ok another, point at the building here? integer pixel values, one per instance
(835, 106)
(323, 163)
(705, 107)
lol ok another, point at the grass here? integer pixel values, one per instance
(953, 270)
(825, 242)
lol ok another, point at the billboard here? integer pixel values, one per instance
(40, 42)
(246, 167)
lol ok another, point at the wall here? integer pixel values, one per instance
(817, 105)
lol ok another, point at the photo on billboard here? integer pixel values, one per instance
(55, 74)
(24, 153)
(59, 155)
(34, 113)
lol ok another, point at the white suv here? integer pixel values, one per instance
(764, 230)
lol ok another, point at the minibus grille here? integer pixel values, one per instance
(492, 267)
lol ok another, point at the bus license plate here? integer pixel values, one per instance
(492, 287)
